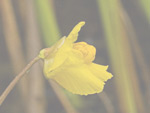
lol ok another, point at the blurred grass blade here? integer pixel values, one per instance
(143, 66)
(51, 33)
(13, 43)
(48, 22)
(62, 97)
(36, 100)
(145, 4)
(107, 102)
(21, 7)
(121, 57)
(131, 68)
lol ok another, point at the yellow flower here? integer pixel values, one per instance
(70, 65)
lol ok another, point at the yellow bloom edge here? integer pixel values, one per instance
(71, 65)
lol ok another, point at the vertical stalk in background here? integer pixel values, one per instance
(107, 102)
(125, 94)
(62, 97)
(130, 63)
(13, 42)
(47, 21)
(140, 58)
(121, 57)
(22, 11)
(145, 4)
(36, 97)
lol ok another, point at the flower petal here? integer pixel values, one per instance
(100, 71)
(88, 51)
(57, 57)
(46, 53)
(78, 80)
(74, 33)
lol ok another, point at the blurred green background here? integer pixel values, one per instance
(119, 29)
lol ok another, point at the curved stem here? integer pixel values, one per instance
(16, 79)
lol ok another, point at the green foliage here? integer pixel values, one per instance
(47, 21)
(110, 14)
(146, 6)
